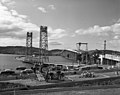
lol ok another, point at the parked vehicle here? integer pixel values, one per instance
(46, 67)
(8, 72)
(54, 75)
(20, 68)
(27, 71)
(87, 75)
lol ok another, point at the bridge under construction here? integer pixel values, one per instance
(43, 47)
(79, 56)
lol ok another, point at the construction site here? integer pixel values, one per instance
(63, 70)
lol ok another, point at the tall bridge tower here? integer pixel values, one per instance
(29, 44)
(43, 45)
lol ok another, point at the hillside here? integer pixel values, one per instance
(105, 51)
(20, 50)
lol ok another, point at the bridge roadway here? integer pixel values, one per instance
(111, 57)
(110, 54)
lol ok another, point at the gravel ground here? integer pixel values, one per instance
(113, 91)
(31, 82)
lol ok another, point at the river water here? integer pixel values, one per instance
(8, 61)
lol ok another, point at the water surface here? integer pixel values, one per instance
(8, 61)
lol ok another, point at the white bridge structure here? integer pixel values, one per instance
(113, 57)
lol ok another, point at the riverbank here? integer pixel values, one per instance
(104, 90)
(108, 78)
(9, 61)
(67, 87)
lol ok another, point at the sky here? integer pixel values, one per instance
(68, 22)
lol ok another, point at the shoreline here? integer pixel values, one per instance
(49, 88)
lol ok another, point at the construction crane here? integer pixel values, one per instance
(79, 50)
(79, 45)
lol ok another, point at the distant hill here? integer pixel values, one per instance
(21, 50)
(106, 52)
(55, 52)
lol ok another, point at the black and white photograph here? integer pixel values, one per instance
(59, 47)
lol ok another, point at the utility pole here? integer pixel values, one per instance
(104, 51)
(104, 44)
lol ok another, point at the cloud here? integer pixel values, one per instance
(118, 20)
(116, 28)
(56, 33)
(8, 3)
(12, 42)
(98, 31)
(45, 10)
(56, 43)
(114, 43)
(112, 32)
(42, 9)
(13, 24)
(73, 35)
(116, 37)
(52, 7)
(14, 13)
(94, 30)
